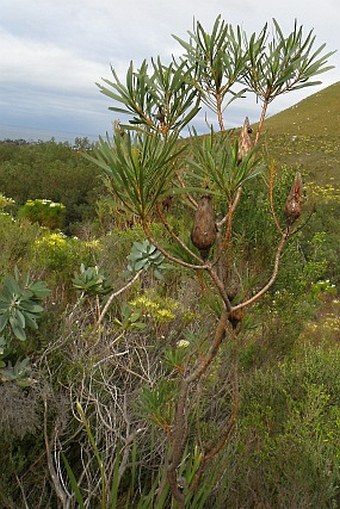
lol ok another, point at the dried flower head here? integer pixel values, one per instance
(203, 234)
(293, 203)
(245, 143)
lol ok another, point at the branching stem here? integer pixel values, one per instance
(179, 429)
(272, 279)
(264, 108)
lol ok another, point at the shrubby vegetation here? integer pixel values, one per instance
(50, 171)
(140, 366)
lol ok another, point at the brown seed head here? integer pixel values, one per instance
(294, 199)
(203, 233)
(245, 143)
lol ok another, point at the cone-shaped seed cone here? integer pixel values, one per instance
(245, 144)
(293, 203)
(203, 233)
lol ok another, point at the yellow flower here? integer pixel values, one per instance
(165, 314)
(93, 244)
(145, 303)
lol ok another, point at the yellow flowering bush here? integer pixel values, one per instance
(55, 251)
(161, 310)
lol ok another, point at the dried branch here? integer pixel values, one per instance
(210, 450)
(115, 294)
(63, 497)
(205, 362)
(179, 428)
(188, 195)
(22, 492)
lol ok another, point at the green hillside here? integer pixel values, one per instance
(308, 134)
(318, 114)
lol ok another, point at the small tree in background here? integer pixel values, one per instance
(146, 162)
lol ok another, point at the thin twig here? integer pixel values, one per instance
(299, 228)
(228, 218)
(219, 111)
(174, 236)
(231, 209)
(271, 200)
(272, 279)
(220, 286)
(56, 482)
(188, 195)
(115, 294)
(22, 491)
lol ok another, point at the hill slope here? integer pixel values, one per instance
(308, 134)
(318, 114)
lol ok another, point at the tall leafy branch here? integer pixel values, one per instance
(279, 63)
(146, 161)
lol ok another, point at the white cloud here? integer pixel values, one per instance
(45, 65)
(52, 53)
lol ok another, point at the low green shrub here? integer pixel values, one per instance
(16, 241)
(286, 446)
(20, 310)
(44, 212)
(60, 256)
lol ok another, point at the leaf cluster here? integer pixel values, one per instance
(20, 305)
(215, 164)
(156, 403)
(282, 63)
(139, 168)
(91, 281)
(144, 256)
(130, 319)
(217, 61)
(18, 373)
(162, 100)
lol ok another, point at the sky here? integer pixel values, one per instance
(53, 52)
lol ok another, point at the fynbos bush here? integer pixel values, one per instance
(45, 212)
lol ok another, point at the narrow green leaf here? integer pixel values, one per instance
(115, 484)
(74, 484)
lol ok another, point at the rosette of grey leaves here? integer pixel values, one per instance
(145, 256)
(20, 305)
(91, 280)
